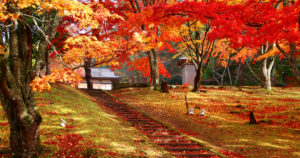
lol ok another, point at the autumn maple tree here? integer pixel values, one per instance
(152, 36)
(142, 65)
(27, 27)
(191, 23)
(196, 47)
(259, 26)
(254, 27)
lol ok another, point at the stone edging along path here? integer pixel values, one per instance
(172, 141)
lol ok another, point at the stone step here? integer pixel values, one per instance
(166, 136)
(146, 124)
(183, 149)
(193, 155)
(178, 144)
(153, 126)
(132, 115)
(153, 132)
(138, 119)
(135, 118)
(157, 129)
(161, 140)
(123, 110)
(120, 109)
(170, 141)
(142, 121)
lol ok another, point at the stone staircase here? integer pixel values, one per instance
(172, 141)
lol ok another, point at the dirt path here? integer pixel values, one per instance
(158, 133)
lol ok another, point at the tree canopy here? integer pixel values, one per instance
(110, 31)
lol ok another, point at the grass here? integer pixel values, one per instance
(90, 131)
(225, 126)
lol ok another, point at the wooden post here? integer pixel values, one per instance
(186, 104)
(252, 119)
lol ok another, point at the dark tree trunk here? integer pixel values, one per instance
(88, 75)
(52, 32)
(47, 63)
(198, 78)
(24, 122)
(286, 2)
(291, 60)
(153, 62)
(16, 96)
(293, 63)
(152, 54)
(255, 77)
(49, 27)
(295, 71)
(290, 57)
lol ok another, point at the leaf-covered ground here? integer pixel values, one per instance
(90, 130)
(225, 125)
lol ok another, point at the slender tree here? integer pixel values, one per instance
(197, 47)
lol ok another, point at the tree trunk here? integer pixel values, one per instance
(24, 120)
(266, 70)
(43, 47)
(229, 74)
(153, 62)
(47, 63)
(238, 73)
(16, 96)
(291, 59)
(255, 75)
(286, 2)
(222, 77)
(49, 26)
(186, 104)
(152, 54)
(266, 74)
(198, 78)
(88, 75)
(293, 63)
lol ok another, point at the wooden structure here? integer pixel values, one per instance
(188, 71)
(102, 78)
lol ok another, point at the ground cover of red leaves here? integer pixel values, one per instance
(225, 126)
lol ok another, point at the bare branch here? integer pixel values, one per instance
(30, 16)
(281, 50)
(49, 42)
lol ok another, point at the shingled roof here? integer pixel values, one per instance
(103, 73)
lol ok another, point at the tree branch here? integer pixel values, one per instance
(49, 42)
(253, 73)
(281, 50)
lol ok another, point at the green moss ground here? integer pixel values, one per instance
(104, 134)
